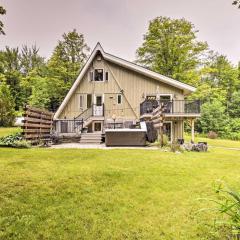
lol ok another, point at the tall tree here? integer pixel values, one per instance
(30, 59)
(54, 80)
(213, 117)
(238, 75)
(7, 112)
(11, 59)
(69, 56)
(11, 68)
(171, 48)
(32, 66)
(17, 65)
(237, 3)
(2, 12)
(220, 74)
(234, 105)
(64, 66)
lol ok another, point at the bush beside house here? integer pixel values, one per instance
(7, 112)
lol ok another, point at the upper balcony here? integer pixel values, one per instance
(178, 108)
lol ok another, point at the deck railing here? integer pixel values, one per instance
(68, 125)
(87, 113)
(94, 110)
(171, 107)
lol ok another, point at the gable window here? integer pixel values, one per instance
(119, 99)
(98, 75)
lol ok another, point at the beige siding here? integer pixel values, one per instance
(177, 127)
(135, 87)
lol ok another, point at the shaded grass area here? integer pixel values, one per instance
(110, 194)
(7, 131)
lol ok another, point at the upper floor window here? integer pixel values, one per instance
(98, 75)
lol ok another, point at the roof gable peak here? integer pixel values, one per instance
(98, 47)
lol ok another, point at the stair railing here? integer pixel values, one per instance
(87, 113)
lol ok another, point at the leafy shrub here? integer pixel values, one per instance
(213, 117)
(232, 130)
(235, 125)
(229, 206)
(176, 147)
(165, 140)
(14, 140)
(7, 112)
(233, 108)
(22, 144)
(212, 135)
(233, 136)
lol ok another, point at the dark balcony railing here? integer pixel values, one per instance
(171, 107)
(76, 125)
(68, 125)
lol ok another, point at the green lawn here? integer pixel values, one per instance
(216, 142)
(110, 194)
(211, 142)
(7, 131)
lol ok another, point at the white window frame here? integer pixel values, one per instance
(92, 75)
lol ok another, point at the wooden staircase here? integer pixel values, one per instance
(91, 138)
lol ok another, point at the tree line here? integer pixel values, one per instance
(28, 78)
(170, 47)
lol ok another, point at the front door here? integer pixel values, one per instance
(97, 126)
(167, 101)
(98, 105)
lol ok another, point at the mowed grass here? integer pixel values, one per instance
(7, 131)
(215, 142)
(111, 194)
(212, 142)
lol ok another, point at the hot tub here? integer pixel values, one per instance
(125, 137)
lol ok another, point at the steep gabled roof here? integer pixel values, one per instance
(132, 66)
